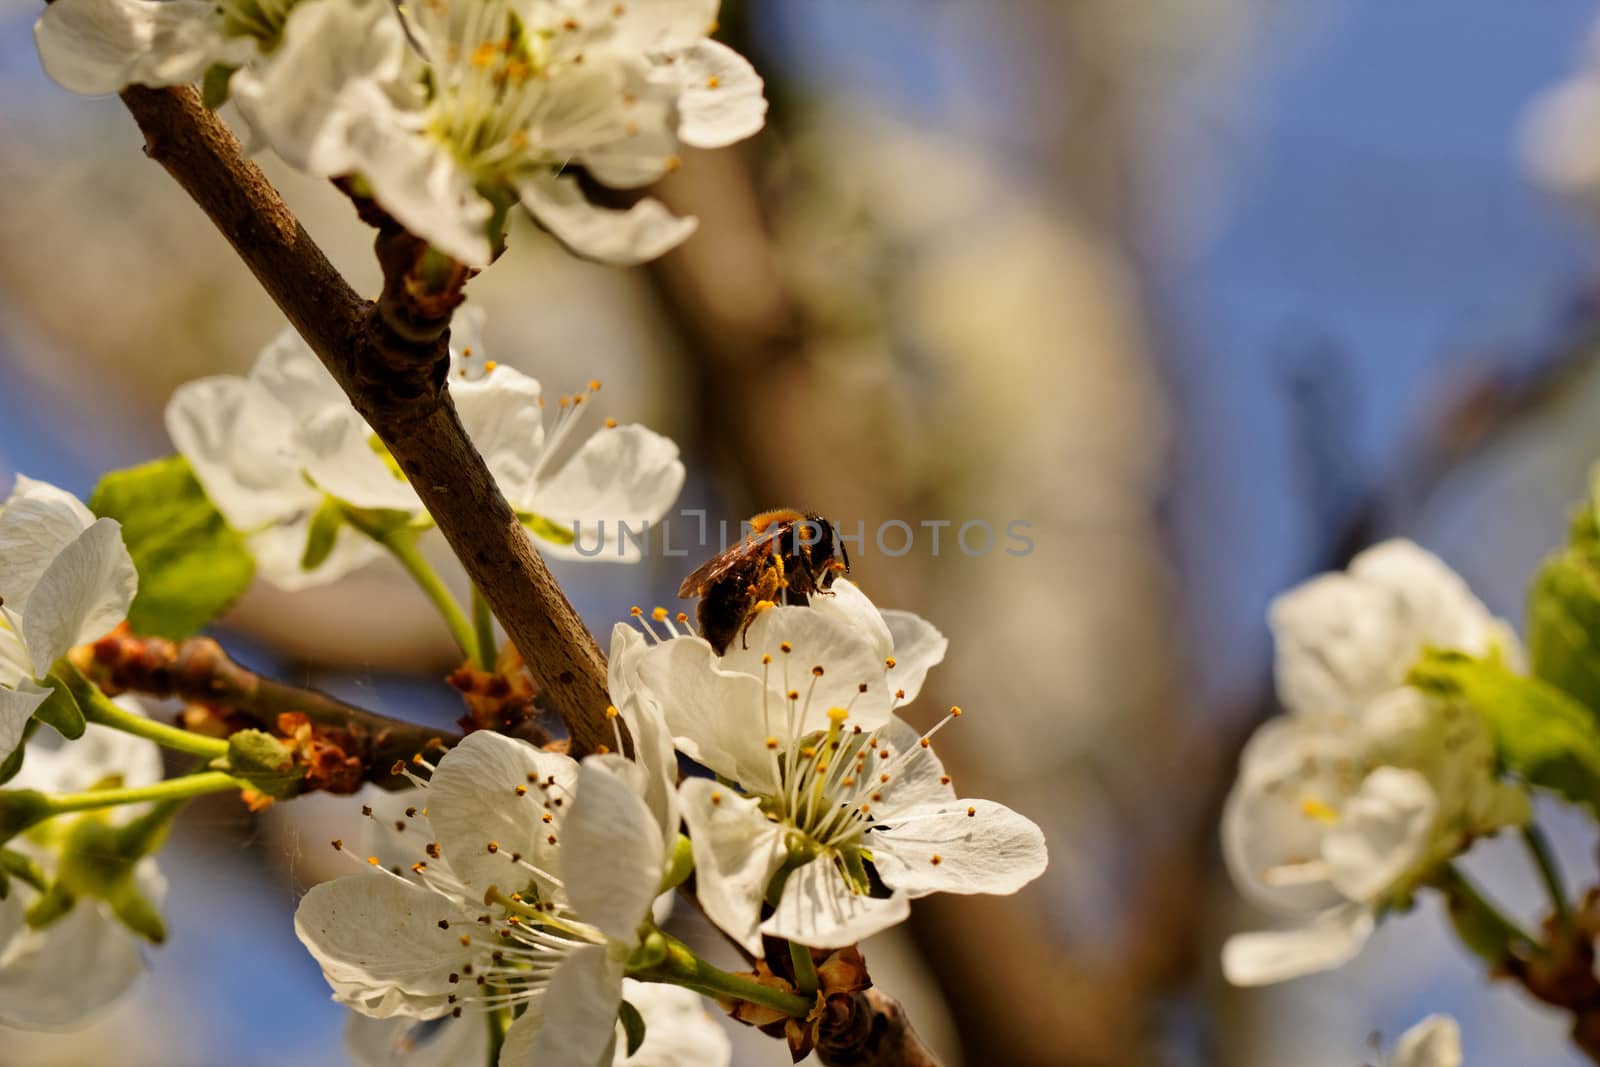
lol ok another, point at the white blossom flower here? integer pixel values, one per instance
(532, 878)
(102, 46)
(1433, 1042)
(65, 578)
(272, 448)
(475, 105)
(825, 780)
(679, 1032)
(58, 971)
(1343, 806)
(1561, 132)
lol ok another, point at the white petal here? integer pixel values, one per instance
(722, 100)
(1561, 137)
(1382, 833)
(339, 455)
(662, 25)
(500, 412)
(1434, 1042)
(575, 1023)
(622, 238)
(279, 549)
(37, 523)
(678, 1030)
(655, 755)
(404, 1042)
(612, 856)
(472, 801)
(851, 605)
(819, 909)
(239, 440)
(84, 592)
(624, 474)
(918, 648)
(849, 660)
(1339, 644)
(736, 853)
(1331, 940)
(468, 354)
(991, 850)
(1440, 607)
(920, 780)
(16, 708)
(289, 373)
(63, 975)
(380, 945)
(101, 46)
(715, 716)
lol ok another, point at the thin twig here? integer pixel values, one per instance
(391, 360)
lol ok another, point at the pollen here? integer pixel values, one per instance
(785, 647)
(899, 694)
(716, 798)
(547, 818)
(659, 614)
(683, 616)
(862, 688)
(611, 711)
(611, 424)
(972, 813)
(955, 712)
(432, 850)
(466, 939)
(838, 714)
(884, 778)
(338, 844)
(484, 55)
(601, 750)
(1319, 810)
(444, 924)
(766, 660)
(493, 847)
(671, 164)
(936, 859)
(889, 662)
(772, 744)
(551, 839)
(816, 672)
(794, 694)
(924, 742)
(521, 790)
(489, 365)
(571, 25)
(877, 798)
(636, 611)
(373, 860)
(713, 81)
(944, 779)
(366, 809)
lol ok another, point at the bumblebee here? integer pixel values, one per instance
(787, 557)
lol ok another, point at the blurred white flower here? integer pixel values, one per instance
(530, 878)
(472, 106)
(58, 968)
(65, 578)
(825, 781)
(1561, 131)
(679, 1032)
(1342, 806)
(272, 448)
(103, 46)
(1433, 1042)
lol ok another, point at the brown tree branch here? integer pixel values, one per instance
(392, 364)
(198, 671)
(873, 1033)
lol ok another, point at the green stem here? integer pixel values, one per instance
(499, 1023)
(1482, 927)
(483, 626)
(1544, 859)
(191, 785)
(683, 967)
(805, 969)
(101, 709)
(402, 544)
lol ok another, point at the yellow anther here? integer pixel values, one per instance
(373, 860)
(838, 714)
(547, 817)
(611, 711)
(817, 671)
(466, 939)
(785, 647)
(521, 790)
(936, 859)
(955, 712)
(1319, 810)
(611, 424)
(794, 694)
(944, 779)
(889, 662)
(551, 839)
(338, 844)
(971, 812)
(636, 611)
(765, 659)
(601, 750)
(772, 744)
(485, 54)
(713, 81)
(493, 846)
(671, 164)
(489, 365)
(660, 614)
(716, 798)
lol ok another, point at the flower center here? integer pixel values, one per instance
(261, 19)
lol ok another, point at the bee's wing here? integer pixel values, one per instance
(709, 571)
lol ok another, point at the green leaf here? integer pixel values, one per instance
(60, 710)
(632, 1025)
(1541, 734)
(1564, 614)
(191, 564)
(267, 763)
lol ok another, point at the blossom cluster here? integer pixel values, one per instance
(446, 112)
(514, 876)
(1346, 804)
